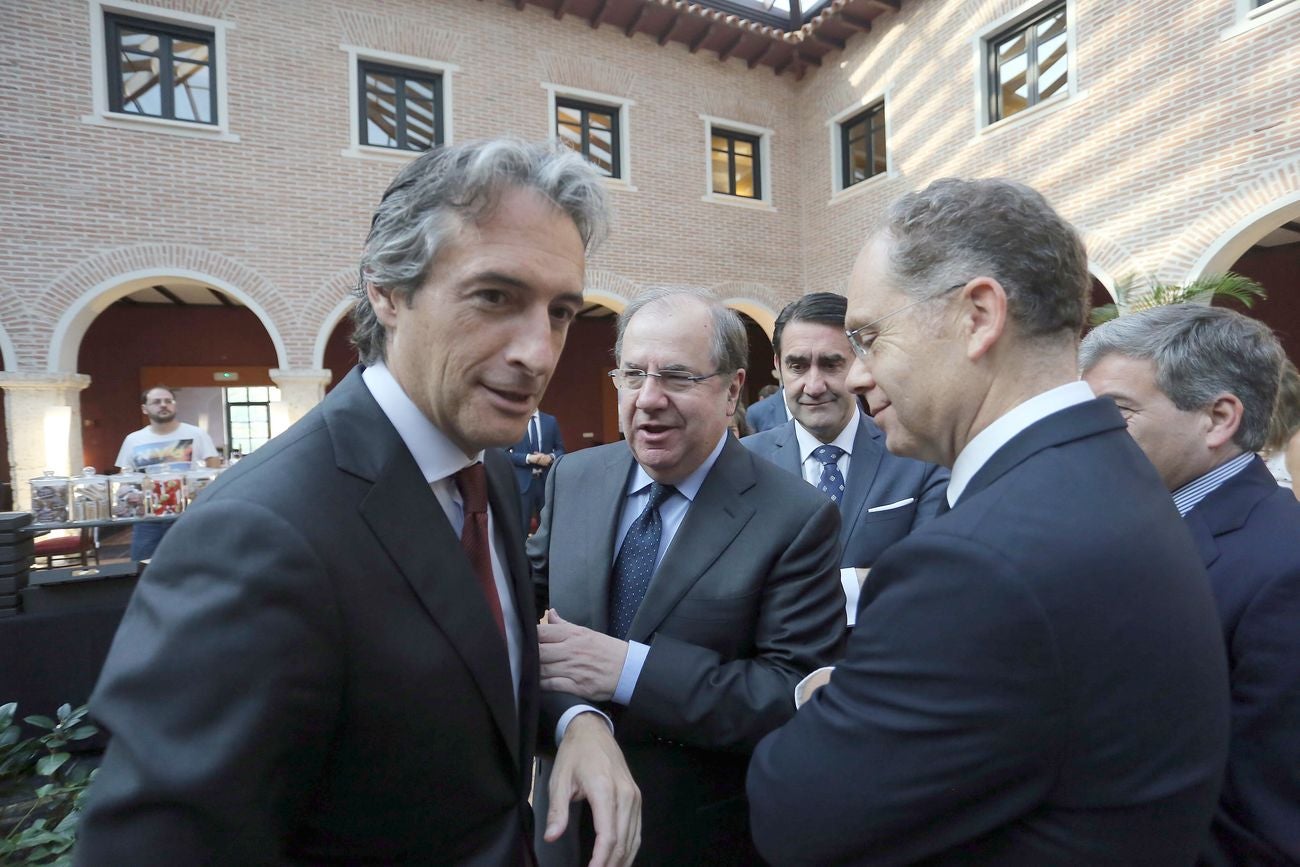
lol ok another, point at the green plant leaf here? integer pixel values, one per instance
(40, 721)
(80, 733)
(64, 711)
(51, 763)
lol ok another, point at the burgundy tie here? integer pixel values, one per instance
(472, 482)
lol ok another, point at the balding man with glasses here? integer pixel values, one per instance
(691, 584)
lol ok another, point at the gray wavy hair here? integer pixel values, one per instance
(729, 350)
(1199, 353)
(440, 191)
(956, 229)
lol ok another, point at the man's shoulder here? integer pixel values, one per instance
(765, 441)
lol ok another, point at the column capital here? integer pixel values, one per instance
(19, 379)
(301, 376)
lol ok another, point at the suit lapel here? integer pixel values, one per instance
(603, 491)
(863, 465)
(786, 450)
(715, 518)
(406, 519)
(1225, 509)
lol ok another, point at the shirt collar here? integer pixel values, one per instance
(809, 443)
(687, 487)
(435, 454)
(978, 451)
(1189, 495)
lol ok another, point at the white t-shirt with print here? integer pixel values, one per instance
(181, 447)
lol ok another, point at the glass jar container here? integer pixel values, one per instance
(90, 496)
(129, 498)
(197, 479)
(50, 498)
(166, 489)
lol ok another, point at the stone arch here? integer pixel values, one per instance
(338, 285)
(1230, 226)
(85, 290)
(1108, 261)
(11, 314)
(609, 290)
(756, 310)
(758, 302)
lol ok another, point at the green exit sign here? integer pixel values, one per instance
(226, 376)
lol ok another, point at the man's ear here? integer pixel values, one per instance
(733, 390)
(983, 316)
(383, 302)
(1224, 415)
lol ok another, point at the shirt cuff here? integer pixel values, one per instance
(632, 665)
(562, 726)
(849, 579)
(799, 697)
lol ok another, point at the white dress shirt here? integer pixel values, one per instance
(812, 474)
(439, 459)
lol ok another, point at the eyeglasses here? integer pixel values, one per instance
(673, 381)
(862, 343)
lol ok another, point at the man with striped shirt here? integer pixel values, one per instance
(1197, 385)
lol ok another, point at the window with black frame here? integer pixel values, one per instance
(400, 108)
(248, 417)
(591, 130)
(862, 146)
(160, 70)
(1028, 63)
(735, 164)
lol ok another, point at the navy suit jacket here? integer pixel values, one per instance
(1036, 677)
(309, 641)
(552, 444)
(767, 413)
(876, 479)
(1248, 533)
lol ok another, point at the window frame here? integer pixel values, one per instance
(615, 105)
(214, 29)
(401, 74)
(837, 138)
(167, 34)
(585, 109)
(356, 56)
(1250, 14)
(867, 115)
(1026, 25)
(732, 136)
(274, 396)
(762, 171)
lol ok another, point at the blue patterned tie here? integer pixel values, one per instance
(635, 563)
(832, 483)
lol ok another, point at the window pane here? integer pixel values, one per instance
(236, 395)
(257, 393)
(721, 175)
(745, 176)
(140, 91)
(878, 156)
(600, 150)
(718, 143)
(599, 121)
(239, 413)
(858, 170)
(1052, 66)
(744, 147)
(571, 135)
(192, 92)
(1013, 84)
(420, 130)
(136, 40)
(185, 49)
(381, 110)
(564, 114)
(258, 413)
(858, 131)
(238, 429)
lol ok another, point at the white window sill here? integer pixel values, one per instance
(858, 189)
(1261, 17)
(369, 152)
(618, 184)
(161, 125)
(1033, 113)
(738, 202)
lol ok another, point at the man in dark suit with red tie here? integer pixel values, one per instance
(333, 657)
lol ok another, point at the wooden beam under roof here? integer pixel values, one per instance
(220, 296)
(636, 19)
(887, 5)
(827, 39)
(726, 52)
(814, 60)
(758, 58)
(598, 17)
(169, 295)
(700, 37)
(668, 31)
(852, 20)
(785, 64)
(560, 6)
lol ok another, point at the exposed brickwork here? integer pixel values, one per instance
(1175, 135)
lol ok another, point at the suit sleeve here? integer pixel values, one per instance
(558, 449)
(934, 487)
(951, 689)
(1262, 788)
(691, 694)
(235, 625)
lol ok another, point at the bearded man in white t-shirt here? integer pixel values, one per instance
(165, 440)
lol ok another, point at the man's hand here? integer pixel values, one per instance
(578, 660)
(590, 766)
(543, 459)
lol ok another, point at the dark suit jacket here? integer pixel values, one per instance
(767, 413)
(1248, 533)
(309, 671)
(552, 444)
(876, 478)
(1036, 677)
(745, 602)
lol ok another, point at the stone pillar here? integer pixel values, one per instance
(27, 398)
(300, 390)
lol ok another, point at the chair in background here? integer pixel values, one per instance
(75, 550)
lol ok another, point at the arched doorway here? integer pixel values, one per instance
(760, 371)
(1273, 261)
(202, 341)
(580, 395)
